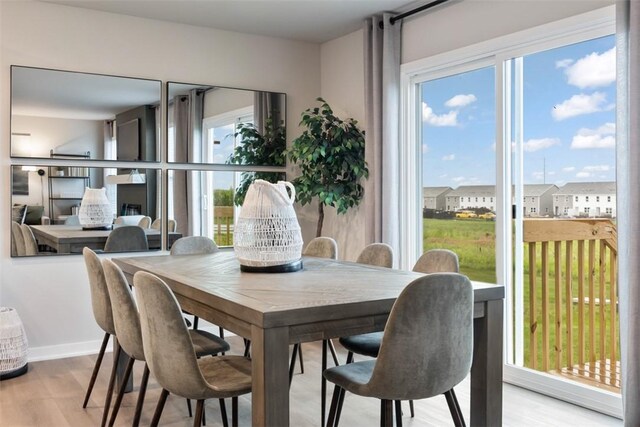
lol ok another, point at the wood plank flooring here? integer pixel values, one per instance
(51, 394)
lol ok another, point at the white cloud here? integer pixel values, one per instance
(593, 70)
(538, 175)
(569, 169)
(583, 175)
(446, 119)
(449, 157)
(540, 144)
(551, 173)
(596, 168)
(459, 101)
(602, 137)
(425, 148)
(581, 104)
(444, 175)
(564, 63)
(458, 179)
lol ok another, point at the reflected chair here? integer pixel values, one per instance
(127, 238)
(172, 225)
(72, 220)
(127, 326)
(30, 243)
(409, 367)
(193, 245)
(101, 305)
(156, 224)
(145, 222)
(171, 359)
(17, 241)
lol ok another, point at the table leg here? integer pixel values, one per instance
(486, 370)
(270, 371)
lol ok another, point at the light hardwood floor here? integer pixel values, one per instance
(51, 394)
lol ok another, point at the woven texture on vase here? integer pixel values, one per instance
(267, 232)
(13, 341)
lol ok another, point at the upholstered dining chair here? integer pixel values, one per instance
(322, 247)
(171, 359)
(408, 366)
(172, 225)
(17, 239)
(127, 238)
(103, 315)
(127, 326)
(378, 254)
(145, 222)
(156, 224)
(437, 261)
(30, 243)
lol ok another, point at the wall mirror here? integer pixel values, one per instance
(213, 124)
(46, 200)
(87, 115)
(206, 203)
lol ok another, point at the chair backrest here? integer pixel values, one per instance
(172, 224)
(128, 238)
(16, 232)
(30, 244)
(429, 331)
(14, 237)
(125, 313)
(379, 254)
(167, 345)
(128, 219)
(437, 261)
(145, 222)
(322, 247)
(156, 224)
(192, 245)
(100, 301)
(72, 220)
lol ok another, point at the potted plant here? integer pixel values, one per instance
(330, 155)
(257, 148)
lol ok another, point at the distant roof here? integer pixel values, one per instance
(434, 191)
(573, 188)
(474, 191)
(533, 190)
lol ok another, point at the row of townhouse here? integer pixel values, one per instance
(574, 199)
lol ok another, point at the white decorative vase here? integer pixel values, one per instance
(95, 210)
(13, 344)
(267, 236)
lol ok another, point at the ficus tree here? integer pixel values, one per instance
(330, 155)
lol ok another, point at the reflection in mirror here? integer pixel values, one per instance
(61, 112)
(212, 124)
(46, 208)
(206, 203)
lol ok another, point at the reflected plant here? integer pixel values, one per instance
(255, 148)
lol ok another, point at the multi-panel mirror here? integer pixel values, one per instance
(92, 116)
(46, 208)
(206, 203)
(213, 124)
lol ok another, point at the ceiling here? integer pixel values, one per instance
(314, 21)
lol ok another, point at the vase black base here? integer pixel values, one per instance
(15, 373)
(282, 268)
(106, 227)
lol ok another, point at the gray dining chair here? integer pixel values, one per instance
(437, 261)
(377, 254)
(127, 326)
(172, 225)
(171, 359)
(17, 241)
(409, 367)
(322, 247)
(156, 224)
(193, 245)
(127, 238)
(103, 315)
(30, 243)
(145, 222)
(72, 220)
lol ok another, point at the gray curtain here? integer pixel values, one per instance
(382, 103)
(265, 105)
(187, 121)
(628, 176)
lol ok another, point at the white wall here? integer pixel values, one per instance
(450, 26)
(51, 294)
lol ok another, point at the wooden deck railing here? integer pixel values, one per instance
(573, 305)
(223, 221)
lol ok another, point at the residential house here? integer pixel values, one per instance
(586, 199)
(538, 200)
(472, 197)
(435, 197)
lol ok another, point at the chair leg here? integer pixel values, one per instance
(301, 361)
(223, 413)
(123, 386)
(247, 348)
(221, 334)
(112, 380)
(340, 403)
(234, 411)
(293, 362)
(96, 368)
(189, 408)
(141, 394)
(349, 358)
(398, 413)
(454, 408)
(386, 413)
(334, 407)
(195, 322)
(413, 414)
(323, 382)
(159, 407)
(333, 353)
(197, 420)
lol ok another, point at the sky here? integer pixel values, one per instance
(569, 120)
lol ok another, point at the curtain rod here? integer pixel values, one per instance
(416, 10)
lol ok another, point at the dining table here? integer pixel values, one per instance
(66, 239)
(326, 299)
